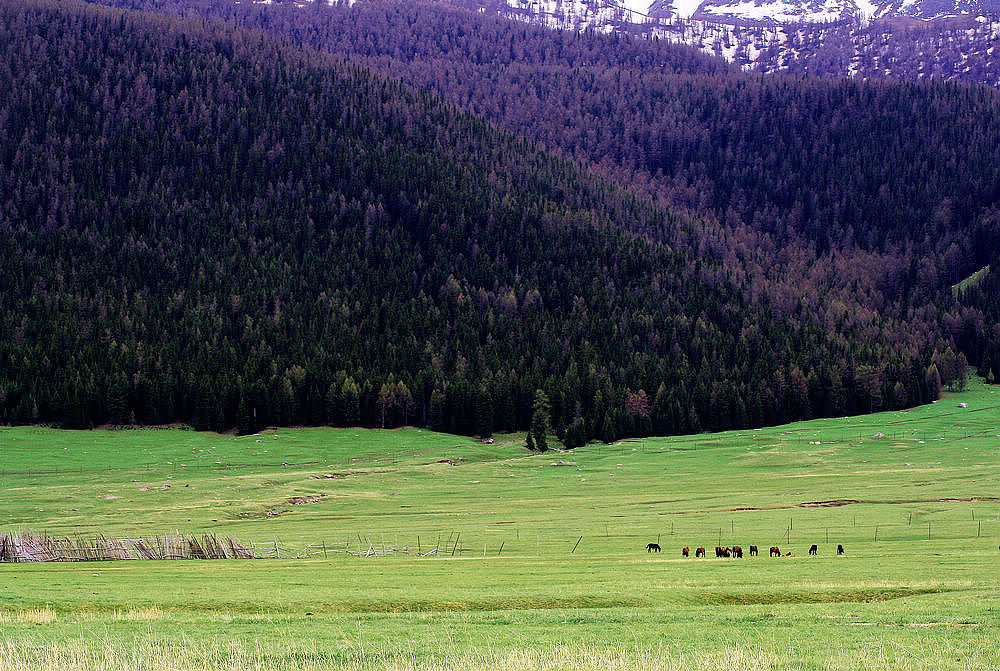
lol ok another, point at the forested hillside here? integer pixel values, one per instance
(207, 224)
(844, 199)
(204, 225)
(904, 171)
(959, 48)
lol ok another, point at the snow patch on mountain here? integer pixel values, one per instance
(777, 11)
(684, 8)
(867, 8)
(637, 6)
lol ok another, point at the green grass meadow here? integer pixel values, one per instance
(525, 561)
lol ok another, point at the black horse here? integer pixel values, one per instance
(840, 549)
(653, 547)
(813, 549)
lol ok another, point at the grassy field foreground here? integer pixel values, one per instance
(535, 561)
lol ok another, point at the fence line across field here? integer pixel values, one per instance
(31, 546)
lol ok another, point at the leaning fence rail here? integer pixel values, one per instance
(42, 547)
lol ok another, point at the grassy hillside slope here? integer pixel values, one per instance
(902, 600)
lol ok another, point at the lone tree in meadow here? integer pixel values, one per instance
(540, 420)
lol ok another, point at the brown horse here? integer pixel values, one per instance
(775, 552)
(737, 552)
(700, 552)
(753, 550)
(686, 552)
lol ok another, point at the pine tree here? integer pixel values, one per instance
(484, 412)
(351, 398)
(332, 405)
(505, 409)
(576, 434)
(932, 380)
(608, 435)
(383, 403)
(961, 372)
(437, 410)
(244, 424)
(118, 407)
(540, 420)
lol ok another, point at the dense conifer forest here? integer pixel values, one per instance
(217, 219)
(876, 195)
(844, 164)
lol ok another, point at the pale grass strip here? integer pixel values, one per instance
(154, 654)
(49, 616)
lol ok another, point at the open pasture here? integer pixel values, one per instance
(531, 561)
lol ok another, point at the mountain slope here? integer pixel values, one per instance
(904, 39)
(207, 225)
(847, 163)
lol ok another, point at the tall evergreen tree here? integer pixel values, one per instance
(540, 412)
(484, 412)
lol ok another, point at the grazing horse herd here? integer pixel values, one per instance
(736, 552)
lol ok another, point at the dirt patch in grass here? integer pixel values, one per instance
(331, 476)
(744, 508)
(828, 504)
(302, 500)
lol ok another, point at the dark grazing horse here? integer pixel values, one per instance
(700, 552)
(653, 547)
(686, 552)
(737, 552)
(840, 549)
(775, 552)
(753, 550)
(813, 549)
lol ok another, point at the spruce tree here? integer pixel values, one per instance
(437, 410)
(351, 398)
(540, 420)
(484, 413)
(932, 380)
(608, 430)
